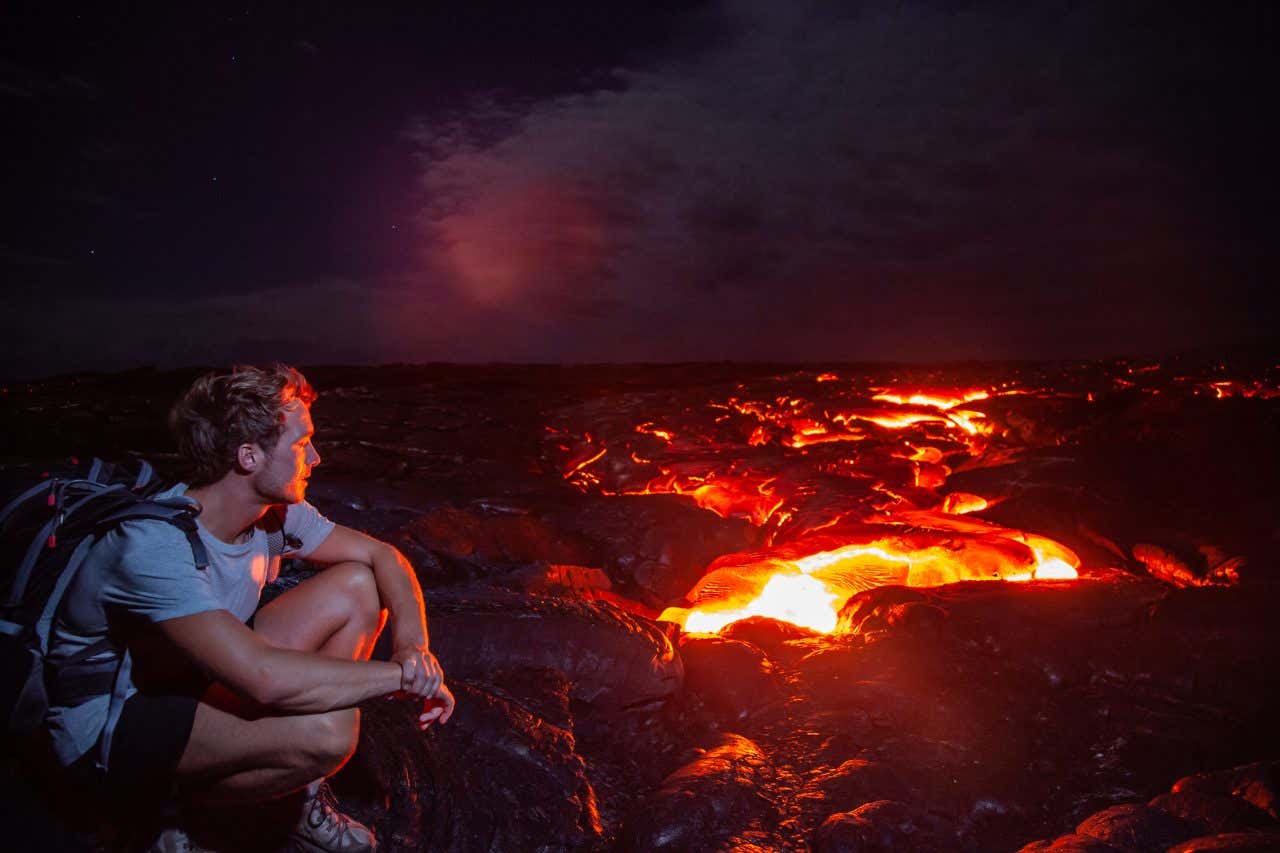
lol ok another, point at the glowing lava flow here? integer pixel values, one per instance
(808, 590)
(935, 399)
(799, 599)
(816, 562)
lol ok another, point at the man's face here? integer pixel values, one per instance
(283, 477)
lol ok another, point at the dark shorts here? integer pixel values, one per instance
(147, 745)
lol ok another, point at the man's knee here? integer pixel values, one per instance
(358, 587)
(328, 740)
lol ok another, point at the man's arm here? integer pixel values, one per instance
(401, 595)
(288, 680)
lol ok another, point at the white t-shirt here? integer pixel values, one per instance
(146, 570)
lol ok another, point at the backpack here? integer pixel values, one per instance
(46, 532)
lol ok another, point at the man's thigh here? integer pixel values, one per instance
(231, 737)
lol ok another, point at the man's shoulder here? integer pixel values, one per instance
(142, 532)
(145, 538)
(305, 527)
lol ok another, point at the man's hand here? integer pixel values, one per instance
(420, 672)
(438, 708)
(422, 677)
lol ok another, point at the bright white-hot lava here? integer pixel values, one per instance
(799, 599)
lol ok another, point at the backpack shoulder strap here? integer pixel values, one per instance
(42, 487)
(33, 699)
(180, 512)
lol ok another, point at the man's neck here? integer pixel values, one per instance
(229, 507)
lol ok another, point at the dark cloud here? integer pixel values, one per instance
(581, 182)
(971, 166)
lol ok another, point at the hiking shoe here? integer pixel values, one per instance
(324, 829)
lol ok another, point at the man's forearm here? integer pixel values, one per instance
(402, 596)
(278, 677)
(304, 682)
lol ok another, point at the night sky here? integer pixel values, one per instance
(569, 182)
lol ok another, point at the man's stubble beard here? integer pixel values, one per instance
(282, 494)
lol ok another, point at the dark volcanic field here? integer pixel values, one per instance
(975, 716)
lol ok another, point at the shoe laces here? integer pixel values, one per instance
(324, 809)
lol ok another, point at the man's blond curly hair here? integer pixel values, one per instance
(225, 409)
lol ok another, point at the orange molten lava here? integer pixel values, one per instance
(809, 590)
(821, 552)
(959, 503)
(798, 599)
(936, 399)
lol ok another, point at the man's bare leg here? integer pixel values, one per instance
(335, 613)
(241, 752)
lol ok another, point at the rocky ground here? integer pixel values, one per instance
(1133, 709)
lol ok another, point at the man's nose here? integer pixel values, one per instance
(313, 455)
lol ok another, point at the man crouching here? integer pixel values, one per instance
(231, 704)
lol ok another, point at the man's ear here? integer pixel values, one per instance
(248, 456)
